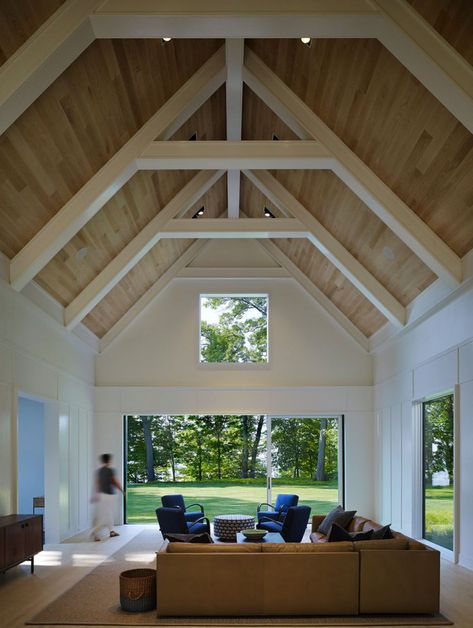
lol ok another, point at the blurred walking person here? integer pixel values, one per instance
(105, 485)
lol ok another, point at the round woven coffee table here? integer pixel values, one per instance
(227, 526)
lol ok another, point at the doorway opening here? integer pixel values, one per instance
(30, 456)
(231, 463)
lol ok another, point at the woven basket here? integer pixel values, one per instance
(138, 590)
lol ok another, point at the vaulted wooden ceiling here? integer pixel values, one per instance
(380, 198)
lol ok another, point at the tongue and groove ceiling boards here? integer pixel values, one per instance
(360, 145)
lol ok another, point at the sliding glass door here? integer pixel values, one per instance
(305, 460)
(438, 476)
(230, 463)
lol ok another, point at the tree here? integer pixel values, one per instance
(320, 474)
(240, 335)
(438, 437)
(150, 475)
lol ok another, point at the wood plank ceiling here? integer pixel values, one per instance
(384, 114)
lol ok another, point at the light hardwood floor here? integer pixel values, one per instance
(58, 567)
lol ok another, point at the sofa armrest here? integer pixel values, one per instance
(316, 521)
(399, 581)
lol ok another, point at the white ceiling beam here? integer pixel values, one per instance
(428, 56)
(404, 222)
(115, 173)
(137, 308)
(322, 300)
(231, 272)
(235, 19)
(242, 228)
(43, 57)
(137, 248)
(213, 155)
(329, 246)
(234, 51)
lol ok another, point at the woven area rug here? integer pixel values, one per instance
(94, 600)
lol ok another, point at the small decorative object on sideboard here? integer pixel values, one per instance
(21, 537)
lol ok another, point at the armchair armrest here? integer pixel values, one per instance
(201, 520)
(199, 505)
(265, 504)
(316, 521)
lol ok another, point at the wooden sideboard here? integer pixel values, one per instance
(21, 537)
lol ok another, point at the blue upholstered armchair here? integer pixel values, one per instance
(177, 501)
(278, 511)
(173, 521)
(292, 528)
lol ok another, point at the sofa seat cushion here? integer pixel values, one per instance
(214, 548)
(381, 544)
(306, 548)
(318, 537)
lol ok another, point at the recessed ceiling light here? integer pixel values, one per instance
(389, 253)
(82, 253)
(268, 213)
(199, 212)
(166, 39)
(306, 40)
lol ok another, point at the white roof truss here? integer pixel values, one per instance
(137, 308)
(323, 240)
(115, 173)
(405, 223)
(137, 248)
(234, 50)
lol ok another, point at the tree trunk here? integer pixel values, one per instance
(244, 447)
(254, 450)
(171, 450)
(320, 474)
(150, 475)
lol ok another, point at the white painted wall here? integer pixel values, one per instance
(314, 366)
(432, 357)
(39, 359)
(306, 347)
(30, 453)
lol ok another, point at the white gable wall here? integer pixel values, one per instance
(40, 360)
(433, 357)
(314, 367)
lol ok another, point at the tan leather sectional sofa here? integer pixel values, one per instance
(318, 578)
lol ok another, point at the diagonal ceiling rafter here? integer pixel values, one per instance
(186, 258)
(358, 275)
(405, 223)
(116, 172)
(135, 250)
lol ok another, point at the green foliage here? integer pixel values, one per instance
(438, 437)
(240, 335)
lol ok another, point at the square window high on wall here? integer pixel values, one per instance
(234, 328)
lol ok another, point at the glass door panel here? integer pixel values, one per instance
(218, 461)
(438, 471)
(305, 460)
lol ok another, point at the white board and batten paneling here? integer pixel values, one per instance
(433, 357)
(41, 360)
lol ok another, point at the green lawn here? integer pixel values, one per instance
(226, 497)
(439, 515)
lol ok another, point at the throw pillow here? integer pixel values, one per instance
(383, 533)
(337, 515)
(337, 533)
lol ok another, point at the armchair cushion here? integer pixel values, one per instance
(270, 526)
